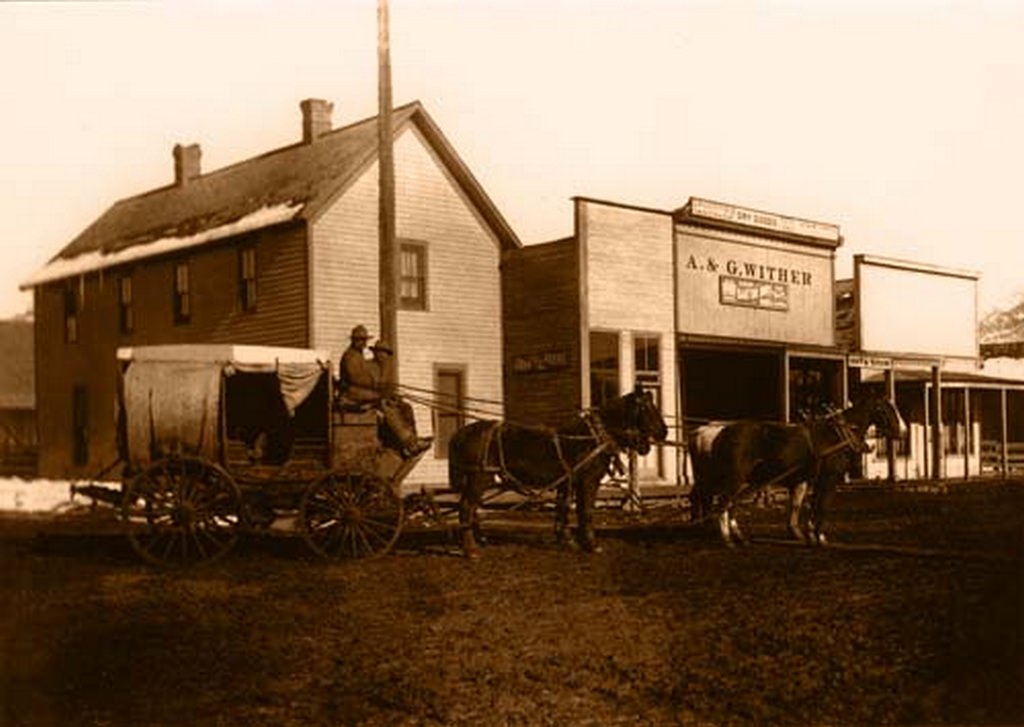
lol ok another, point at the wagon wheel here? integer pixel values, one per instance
(182, 510)
(351, 516)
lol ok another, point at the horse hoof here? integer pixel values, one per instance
(568, 544)
(591, 547)
(473, 554)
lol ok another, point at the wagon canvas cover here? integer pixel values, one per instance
(171, 395)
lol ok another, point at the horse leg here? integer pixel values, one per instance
(725, 522)
(734, 530)
(468, 523)
(586, 493)
(819, 506)
(796, 503)
(562, 516)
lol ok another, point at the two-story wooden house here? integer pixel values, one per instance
(281, 249)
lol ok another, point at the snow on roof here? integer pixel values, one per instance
(60, 268)
(224, 353)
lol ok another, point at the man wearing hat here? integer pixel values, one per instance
(398, 415)
(357, 379)
(367, 383)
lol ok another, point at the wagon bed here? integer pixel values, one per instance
(217, 440)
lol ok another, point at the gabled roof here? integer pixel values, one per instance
(17, 368)
(292, 183)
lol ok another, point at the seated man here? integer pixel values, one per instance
(398, 414)
(357, 379)
(364, 384)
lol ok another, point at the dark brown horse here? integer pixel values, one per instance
(739, 458)
(531, 460)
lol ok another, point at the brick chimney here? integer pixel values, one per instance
(186, 163)
(316, 118)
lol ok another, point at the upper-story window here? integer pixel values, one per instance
(412, 280)
(182, 293)
(70, 313)
(125, 305)
(247, 278)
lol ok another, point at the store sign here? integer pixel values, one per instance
(533, 363)
(751, 270)
(753, 293)
(766, 289)
(869, 362)
(764, 220)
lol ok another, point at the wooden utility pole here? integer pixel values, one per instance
(388, 277)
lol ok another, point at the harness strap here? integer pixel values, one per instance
(493, 438)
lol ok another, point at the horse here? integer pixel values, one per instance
(731, 459)
(531, 460)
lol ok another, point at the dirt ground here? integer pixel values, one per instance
(915, 616)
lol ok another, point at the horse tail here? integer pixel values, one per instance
(456, 473)
(469, 451)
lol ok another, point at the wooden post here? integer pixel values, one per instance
(926, 454)
(937, 453)
(1005, 436)
(388, 272)
(634, 504)
(968, 438)
(890, 446)
(787, 415)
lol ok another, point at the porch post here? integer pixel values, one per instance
(938, 472)
(1005, 436)
(926, 454)
(786, 414)
(890, 446)
(968, 438)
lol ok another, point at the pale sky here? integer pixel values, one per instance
(902, 122)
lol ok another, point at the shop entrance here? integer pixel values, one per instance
(728, 384)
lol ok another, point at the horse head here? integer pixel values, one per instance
(633, 421)
(880, 412)
(886, 417)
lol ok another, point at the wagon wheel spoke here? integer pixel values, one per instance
(182, 511)
(351, 515)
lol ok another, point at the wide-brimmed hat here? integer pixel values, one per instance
(383, 347)
(360, 333)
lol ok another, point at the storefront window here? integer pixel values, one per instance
(604, 367)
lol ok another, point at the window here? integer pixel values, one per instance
(182, 297)
(450, 413)
(126, 314)
(647, 360)
(80, 425)
(247, 278)
(412, 276)
(604, 367)
(70, 314)
(647, 370)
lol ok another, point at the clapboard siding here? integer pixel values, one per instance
(280, 319)
(541, 295)
(629, 267)
(462, 324)
(631, 291)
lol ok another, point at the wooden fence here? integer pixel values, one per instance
(992, 457)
